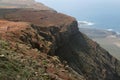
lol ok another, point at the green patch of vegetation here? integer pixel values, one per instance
(4, 44)
(13, 67)
(44, 62)
(8, 69)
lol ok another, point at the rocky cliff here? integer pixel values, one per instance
(50, 47)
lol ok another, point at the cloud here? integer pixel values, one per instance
(86, 23)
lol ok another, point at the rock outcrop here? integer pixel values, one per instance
(24, 53)
(52, 43)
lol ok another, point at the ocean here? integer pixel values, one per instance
(101, 19)
(103, 22)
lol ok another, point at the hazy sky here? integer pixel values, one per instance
(81, 7)
(102, 12)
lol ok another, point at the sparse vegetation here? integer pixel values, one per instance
(4, 44)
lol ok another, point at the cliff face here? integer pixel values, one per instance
(44, 44)
(58, 34)
(24, 49)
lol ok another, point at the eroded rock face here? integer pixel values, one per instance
(33, 43)
(58, 34)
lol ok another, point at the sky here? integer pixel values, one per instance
(104, 13)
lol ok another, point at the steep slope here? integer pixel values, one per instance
(109, 40)
(58, 34)
(23, 54)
